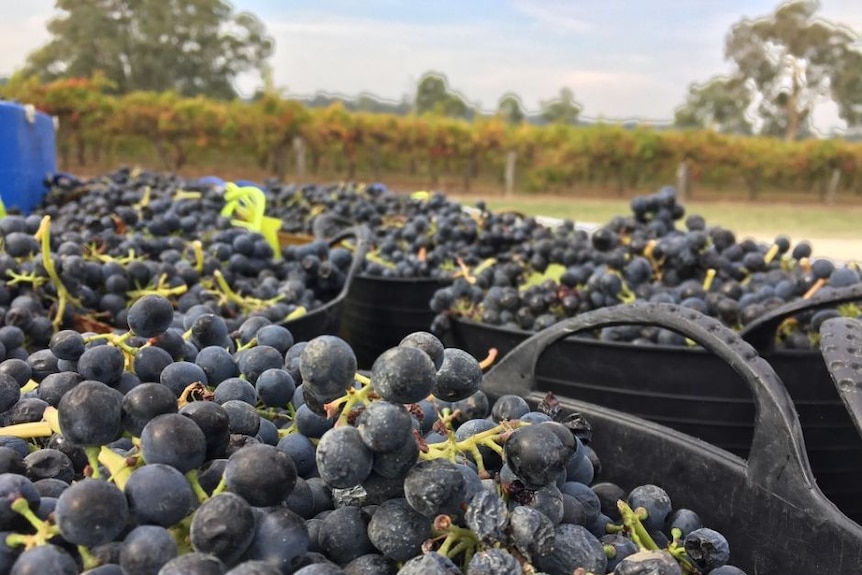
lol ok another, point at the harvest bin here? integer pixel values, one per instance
(327, 319)
(770, 507)
(27, 155)
(380, 312)
(695, 393)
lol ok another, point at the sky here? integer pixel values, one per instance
(624, 59)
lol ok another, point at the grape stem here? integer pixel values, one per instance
(632, 520)
(45, 531)
(63, 296)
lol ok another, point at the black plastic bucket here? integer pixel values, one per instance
(695, 393)
(770, 507)
(378, 312)
(327, 319)
(841, 346)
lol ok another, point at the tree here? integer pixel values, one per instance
(190, 46)
(721, 104)
(562, 110)
(511, 109)
(793, 62)
(433, 97)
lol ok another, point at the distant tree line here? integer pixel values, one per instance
(783, 66)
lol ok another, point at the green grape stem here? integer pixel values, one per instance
(63, 296)
(45, 531)
(632, 521)
(194, 481)
(450, 448)
(247, 304)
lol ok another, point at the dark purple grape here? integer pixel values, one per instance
(487, 517)
(67, 344)
(235, 388)
(707, 548)
(150, 316)
(44, 559)
(301, 451)
(174, 440)
(255, 568)
(252, 362)
(685, 520)
(10, 392)
(181, 374)
(458, 377)
(262, 474)
(431, 563)
(275, 387)
(217, 363)
(91, 512)
(146, 549)
(537, 455)
(371, 564)
(49, 464)
(648, 563)
(655, 501)
(397, 531)
(223, 526)
(403, 375)
(213, 420)
(328, 366)
(427, 342)
(343, 536)
(149, 362)
(342, 458)
(193, 563)
(91, 414)
(143, 403)
(622, 548)
(242, 417)
(435, 486)
(493, 561)
(103, 363)
(280, 538)
(158, 494)
(396, 464)
(384, 426)
(12, 487)
(574, 547)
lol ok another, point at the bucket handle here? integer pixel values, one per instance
(777, 460)
(761, 332)
(360, 232)
(841, 347)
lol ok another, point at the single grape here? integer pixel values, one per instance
(458, 377)
(707, 548)
(223, 526)
(397, 530)
(146, 549)
(262, 474)
(91, 512)
(150, 316)
(175, 440)
(158, 494)
(91, 414)
(342, 458)
(403, 375)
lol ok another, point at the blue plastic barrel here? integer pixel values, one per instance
(27, 155)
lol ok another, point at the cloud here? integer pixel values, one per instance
(560, 16)
(20, 36)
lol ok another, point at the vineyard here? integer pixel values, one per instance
(284, 138)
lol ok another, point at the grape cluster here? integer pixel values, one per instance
(279, 457)
(647, 256)
(94, 248)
